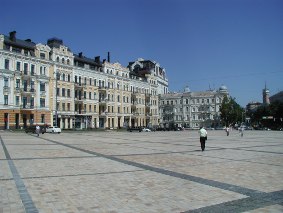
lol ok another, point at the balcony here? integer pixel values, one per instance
(42, 93)
(79, 99)
(103, 113)
(80, 85)
(43, 77)
(28, 91)
(6, 89)
(17, 90)
(26, 106)
(103, 100)
(102, 88)
(27, 75)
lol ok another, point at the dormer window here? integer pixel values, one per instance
(63, 60)
(42, 55)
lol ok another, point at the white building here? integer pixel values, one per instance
(191, 109)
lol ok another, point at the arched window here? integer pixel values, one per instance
(57, 59)
(69, 77)
(63, 77)
(63, 60)
(68, 61)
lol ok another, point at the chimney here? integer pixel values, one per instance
(104, 61)
(97, 59)
(13, 36)
(108, 57)
(80, 54)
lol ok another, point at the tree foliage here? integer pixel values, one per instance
(274, 112)
(231, 112)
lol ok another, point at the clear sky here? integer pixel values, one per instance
(201, 43)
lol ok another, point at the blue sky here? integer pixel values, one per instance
(201, 43)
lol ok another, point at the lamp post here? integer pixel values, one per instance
(56, 107)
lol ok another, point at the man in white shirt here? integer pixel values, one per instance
(203, 137)
(37, 130)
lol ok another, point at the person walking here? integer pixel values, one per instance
(227, 129)
(241, 130)
(37, 130)
(203, 137)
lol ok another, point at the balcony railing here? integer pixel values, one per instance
(26, 106)
(6, 89)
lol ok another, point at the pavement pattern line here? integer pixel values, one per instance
(244, 204)
(24, 195)
(255, 199)
(76, 175)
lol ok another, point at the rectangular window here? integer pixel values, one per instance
(90, 81)
(68, 106)
(17, 101)
(63, 107)
(6, 82)
(42, 55)
(68, 92)
(89, 95)
(31, 102)
(94, 108)
(89, 108)
(18, 66)
(32, 70)
(42, 118)
(63, 92)
(5, 99)
(58, 92)
(84, 94)
(18, 83)
(7, 63)
(42, 102)
(42, 86)
(25, 68)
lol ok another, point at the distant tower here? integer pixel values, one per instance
(265, 96)
(187, 89)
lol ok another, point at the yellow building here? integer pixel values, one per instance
(49, 84)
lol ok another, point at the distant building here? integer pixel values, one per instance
(253, 106)
(277, 97)
(192, 109)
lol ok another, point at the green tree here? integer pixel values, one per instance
(275, 113)
(231, 112)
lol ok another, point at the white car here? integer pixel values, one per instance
(146, 130)
(53, 129)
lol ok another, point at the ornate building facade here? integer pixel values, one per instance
(191, 109)
(49, 84)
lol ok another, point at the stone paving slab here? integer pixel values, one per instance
(141, 172)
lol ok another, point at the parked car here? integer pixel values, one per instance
(146, 130)
(130, 129)
(53, 129)
(32, 129)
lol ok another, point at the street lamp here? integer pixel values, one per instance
(56, 94)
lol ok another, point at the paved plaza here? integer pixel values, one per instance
(141, 172)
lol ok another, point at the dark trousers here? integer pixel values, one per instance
(202, 143)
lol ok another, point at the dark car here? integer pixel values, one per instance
(32, 129)
(130, 129)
